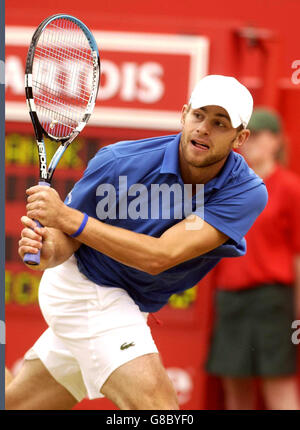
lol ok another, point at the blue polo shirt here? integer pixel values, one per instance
(118, 188)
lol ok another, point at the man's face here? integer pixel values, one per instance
(207, 136)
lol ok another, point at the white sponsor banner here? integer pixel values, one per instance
(145, 78)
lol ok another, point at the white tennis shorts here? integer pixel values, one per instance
(92, 331)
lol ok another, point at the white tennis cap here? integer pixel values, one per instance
(227, 92)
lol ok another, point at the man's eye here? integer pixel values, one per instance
(220, 124)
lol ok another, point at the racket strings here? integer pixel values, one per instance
(80, 52)
(63, 120)
(59, 59)
(60, 55)
(56, 94)
(54, 105)
(52, 51)
(62, 77)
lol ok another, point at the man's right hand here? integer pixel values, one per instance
(34, 239)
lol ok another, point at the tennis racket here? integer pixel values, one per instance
(62, 77)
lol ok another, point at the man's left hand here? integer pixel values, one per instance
(45, 205)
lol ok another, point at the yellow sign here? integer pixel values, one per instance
(21, 288)
(21, 150)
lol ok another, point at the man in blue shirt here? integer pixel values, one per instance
(149, 218)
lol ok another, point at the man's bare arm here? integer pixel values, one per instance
(149, 254)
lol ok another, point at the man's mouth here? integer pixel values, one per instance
(200, 145)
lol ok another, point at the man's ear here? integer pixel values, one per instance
(184, 111)
(241, 138)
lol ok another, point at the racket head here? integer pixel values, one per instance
(62, 76)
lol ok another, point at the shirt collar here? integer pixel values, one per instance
(221, 178)
(170, 162)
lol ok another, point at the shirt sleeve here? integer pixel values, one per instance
(101, 169)
(233, 210)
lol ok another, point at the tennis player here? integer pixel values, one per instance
(112, 253)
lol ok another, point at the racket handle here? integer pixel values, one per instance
(34, 259)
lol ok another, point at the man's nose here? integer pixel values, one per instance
(204, 127)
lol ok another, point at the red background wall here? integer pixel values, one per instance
(184, 335)
(220, 20)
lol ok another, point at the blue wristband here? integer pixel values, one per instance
(81, 227)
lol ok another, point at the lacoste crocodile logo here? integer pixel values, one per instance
(126, 345)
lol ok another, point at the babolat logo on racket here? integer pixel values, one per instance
(43, 160)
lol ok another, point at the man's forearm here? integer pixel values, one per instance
(177, 244)
(64, 247)
(141, 251)
(133, 249)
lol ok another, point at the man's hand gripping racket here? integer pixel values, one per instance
(61, 85)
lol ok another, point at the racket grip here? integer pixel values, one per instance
(34, 259)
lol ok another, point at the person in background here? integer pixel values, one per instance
(258, 295)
